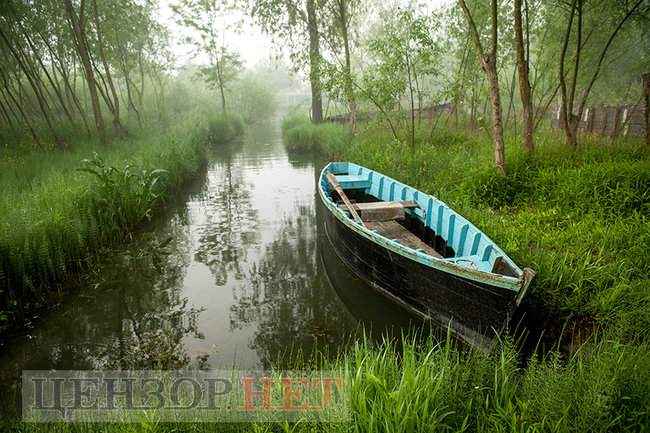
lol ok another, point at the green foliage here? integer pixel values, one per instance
(56, 216)
(292, 119)
(253, 98)
(206, 22)
(123, 197)
(301, 135)
(223, 128)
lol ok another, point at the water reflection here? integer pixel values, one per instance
(236, 274)
(289, 299)
(226, 222)
(130, 313)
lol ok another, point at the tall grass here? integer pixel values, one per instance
(224, 127)
(59, 206)
(301, 135)
(425, 385)
(579, 217)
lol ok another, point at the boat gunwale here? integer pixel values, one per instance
(502, 281)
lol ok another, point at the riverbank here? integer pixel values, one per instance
(61, 206)
(578, 217)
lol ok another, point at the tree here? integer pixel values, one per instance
(291, 22)
(205, 19)
(488, 61)
(49, 46)
(114, 103)
(646, 106)
(522, 59)
(341, 13)
(571, 109)
(254, 97)
(77, 23)
(222, 72)
(401, 53)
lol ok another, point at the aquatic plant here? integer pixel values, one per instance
(123, 197)
(223, 128)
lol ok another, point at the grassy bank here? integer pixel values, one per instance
(578, 217)
(60, 206)
(433, 386)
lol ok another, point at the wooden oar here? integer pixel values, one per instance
(332, 180)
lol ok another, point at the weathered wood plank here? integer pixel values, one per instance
(383, 205)
(393, 230)
(381, 210)
(332, 180)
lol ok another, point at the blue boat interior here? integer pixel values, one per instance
(455, 239)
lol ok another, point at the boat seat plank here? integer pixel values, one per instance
(348, 181)
(394, 230)
(381, 210)
(376, 205)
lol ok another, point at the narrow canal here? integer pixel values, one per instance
(238, 273)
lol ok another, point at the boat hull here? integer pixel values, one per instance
(473, 311)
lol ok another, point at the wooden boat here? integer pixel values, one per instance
(420, 253)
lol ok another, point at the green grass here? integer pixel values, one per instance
(300, 135)
(224, 127)
(60, 205)
(580, 218)
(421, 385)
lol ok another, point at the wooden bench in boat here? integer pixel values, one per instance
(381, 210)
(395, 231)
(380, 217)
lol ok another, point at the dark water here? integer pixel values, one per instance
(238, 273)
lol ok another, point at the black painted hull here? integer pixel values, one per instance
(473, 311)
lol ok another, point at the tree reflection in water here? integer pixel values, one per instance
(228, 222)
(289, 299)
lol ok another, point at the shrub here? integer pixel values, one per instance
(224, 128)
(292, 119)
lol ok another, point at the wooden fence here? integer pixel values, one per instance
(423, 113)
(609, 120)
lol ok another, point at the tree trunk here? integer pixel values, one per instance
(71, 96)
(343, 16)
(80, 42)
(19, 106)
(524, 83)
(314, 63)
(117, 125)
(42, 103)
(646, 106)
(408, 73)
(489, 66)
(222, 90)
(565, 115)
(6, 116)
